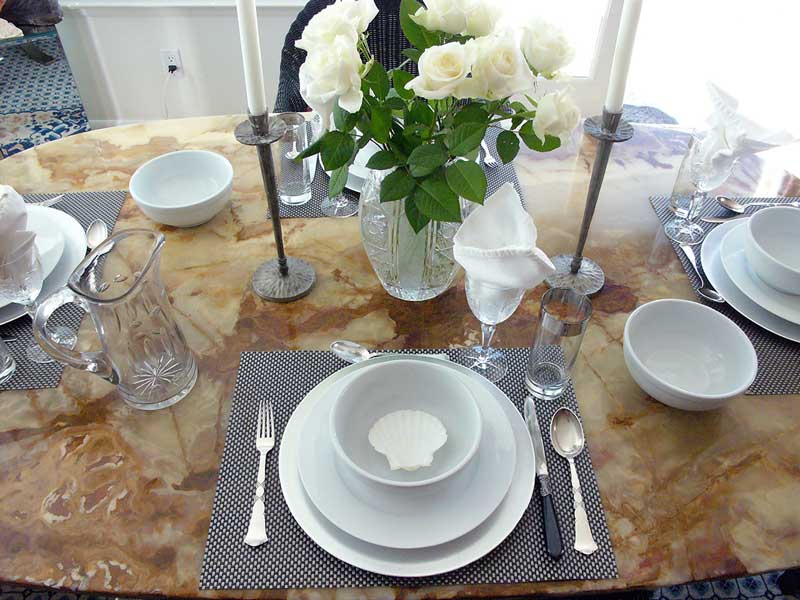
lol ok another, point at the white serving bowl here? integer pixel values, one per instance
(687, 355)
(184, 188)
(772, 247)
(404, 385)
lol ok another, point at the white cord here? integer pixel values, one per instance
(164, 106)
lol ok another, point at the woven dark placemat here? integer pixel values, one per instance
(495, 177)
(778, 358)
(85, 207)
(292, 560)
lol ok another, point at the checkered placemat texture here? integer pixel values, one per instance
(778, 358)
(495, 177)
(85, 207)
(292, 560)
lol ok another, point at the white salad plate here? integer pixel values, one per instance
(418, 562)
(411, 517)
(715, 272)
(74, 251)
(734, 260)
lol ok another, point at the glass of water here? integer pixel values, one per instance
(294, 181)
(491, 305)
(563, 319)
(7, 364)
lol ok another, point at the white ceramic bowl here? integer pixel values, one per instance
(772, 247)
(184, 188)
(399, 385)
(687, 355)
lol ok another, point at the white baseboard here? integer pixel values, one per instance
(103, 123)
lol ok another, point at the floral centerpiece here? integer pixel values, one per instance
(473, 75)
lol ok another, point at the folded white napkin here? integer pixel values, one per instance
(14, 237)
(732, 134)
(496, 244)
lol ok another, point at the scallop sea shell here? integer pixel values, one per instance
(408, 438)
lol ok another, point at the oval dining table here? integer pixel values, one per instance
(97, 496)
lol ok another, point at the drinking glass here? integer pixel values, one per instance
(340, 206)
(563, 318)
(7, 363)
(491, 305)
(294, 182)
(21, 282)
(697, 176)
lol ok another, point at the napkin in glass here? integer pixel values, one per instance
(496, 244)
(15, 239)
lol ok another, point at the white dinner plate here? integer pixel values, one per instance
(408, 517)
(73, 253)
(786, 306)
(419, 562)
(715, 272)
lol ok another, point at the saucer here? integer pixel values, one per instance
(408, 517)
(732, 254)
(715, 272)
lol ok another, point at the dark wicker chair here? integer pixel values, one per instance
(385, 40)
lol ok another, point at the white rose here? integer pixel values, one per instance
(442, 15)
(557, 115)
(331, 76)
(330, 23)
(361, 12)
(441, 70)
(481, 18)
(499, 69)
(546, 47)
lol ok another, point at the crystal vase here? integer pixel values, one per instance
(410, 266)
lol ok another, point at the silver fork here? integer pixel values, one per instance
(265, 441)
(489, 160)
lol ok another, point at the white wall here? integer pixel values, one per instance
(114, 48)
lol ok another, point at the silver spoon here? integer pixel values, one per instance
(96, 233)
(353, 352)
(704, 291)
(566, 435)
(737, 207)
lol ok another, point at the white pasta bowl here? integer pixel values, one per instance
(772, 247)
(687, 355)
(184, 188)
(405, 385)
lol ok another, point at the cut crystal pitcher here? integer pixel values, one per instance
(143, 351)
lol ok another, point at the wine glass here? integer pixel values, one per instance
(339, 206)
(698, 175)
(491, 305)
(21, 281)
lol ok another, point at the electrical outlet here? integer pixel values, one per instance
(169, 57)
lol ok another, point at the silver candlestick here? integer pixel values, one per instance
(575, 271)
(281, 279)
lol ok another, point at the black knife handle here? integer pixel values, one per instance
(552, 534)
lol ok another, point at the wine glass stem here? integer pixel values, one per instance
(487, 333)
(340, 201)
(695, 204)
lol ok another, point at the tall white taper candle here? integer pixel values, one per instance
(622, 55)
(251, 56)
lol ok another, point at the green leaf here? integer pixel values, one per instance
(507, 146)
(420, 112)
(395, 103)
(363, 141)
(465, 137)
(381, 160)
(381, 123)
(412, 54)
(344, 120)
(311, 150)
(397, 185)
(436, 200)
(534, 143)
(400, 79)
(378, 80)
(415, 218)
(425, 159)
(418, 36)
(472, 113)
(337, 181)
(467, 179)
(337, 149)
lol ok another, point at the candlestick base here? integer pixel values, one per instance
(588, 280)
(594, 127)
(270, 284)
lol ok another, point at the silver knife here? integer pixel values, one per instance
(723, 219)
(552, 534)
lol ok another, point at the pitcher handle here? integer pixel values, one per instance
(93, 362)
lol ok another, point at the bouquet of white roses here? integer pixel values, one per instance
(470, 74)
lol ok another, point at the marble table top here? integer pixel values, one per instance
(97, 496)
